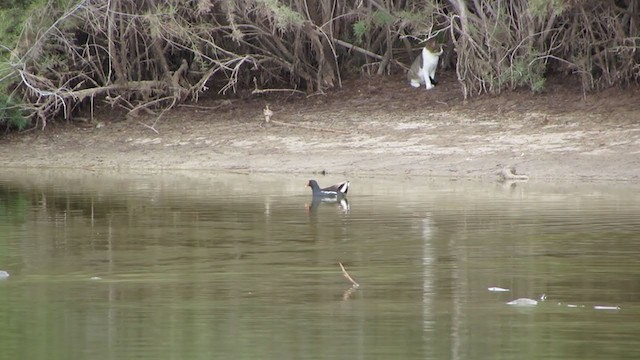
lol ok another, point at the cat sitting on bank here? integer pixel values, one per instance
(423, 69)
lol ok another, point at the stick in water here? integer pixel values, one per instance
(346, 274)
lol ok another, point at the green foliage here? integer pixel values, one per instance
(538, 85)
(10, 25)
(11, 114)
(528, 71)
(364, 27)
(382, 18)
(284, 15)
(13, 14)
(360, 29)
(414, 17)
(53, 62)
(540, 8)
(536, 79)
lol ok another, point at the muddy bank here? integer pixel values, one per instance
(373, 125)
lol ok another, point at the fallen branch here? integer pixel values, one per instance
(346, 274)
(358, 49)
(223, 103)
(149, 127)
(145, 106)
(369, 53)
(261, 91)
(137, 86)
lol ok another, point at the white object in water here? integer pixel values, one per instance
(527, 301)
(3, 274)
(497, 289)
(523, 302)
(96, 278)
(602, 307)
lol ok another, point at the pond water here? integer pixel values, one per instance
(194, 265)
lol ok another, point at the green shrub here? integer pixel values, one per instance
(11, 115)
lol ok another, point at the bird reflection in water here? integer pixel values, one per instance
(342, 204)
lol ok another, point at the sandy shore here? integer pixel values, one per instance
(359, 130)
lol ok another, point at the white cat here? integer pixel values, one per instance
(423, 69)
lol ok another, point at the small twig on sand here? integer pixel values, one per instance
(149, 127)
(346, 274)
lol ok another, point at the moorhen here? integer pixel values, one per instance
(334, 191)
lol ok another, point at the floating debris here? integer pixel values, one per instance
(523, 302)
(602, 307)
(573, 305)
(96, 278)
(3, 274)
(346, 275)
(497, 289)
(527, 301)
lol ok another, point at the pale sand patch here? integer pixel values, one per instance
(362, 134)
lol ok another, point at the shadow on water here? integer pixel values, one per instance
(193, 264)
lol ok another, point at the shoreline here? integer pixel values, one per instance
(359, 130)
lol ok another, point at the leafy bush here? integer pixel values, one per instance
(11, 115)
(13, 14)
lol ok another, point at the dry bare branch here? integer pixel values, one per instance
(346, 275)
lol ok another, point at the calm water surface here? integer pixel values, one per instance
(198, 266)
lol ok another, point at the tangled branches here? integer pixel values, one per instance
(508, 44)
(154, 54)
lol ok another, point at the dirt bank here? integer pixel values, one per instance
(373, 125)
